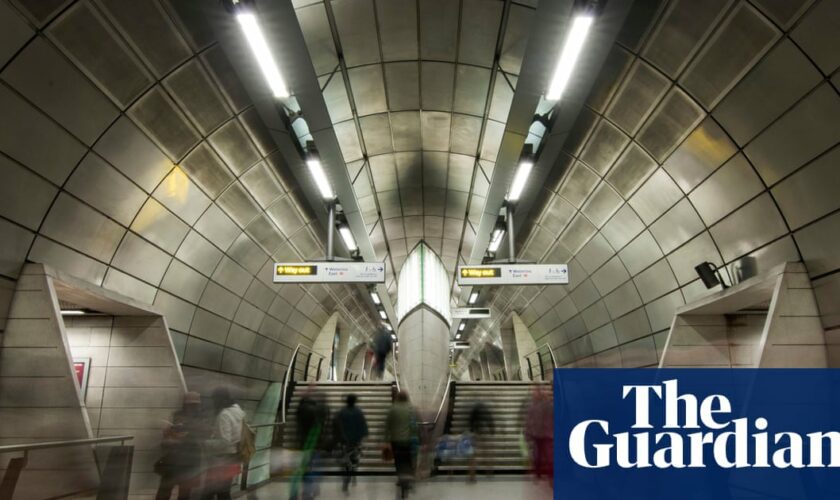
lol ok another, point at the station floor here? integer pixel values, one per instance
(384, 488)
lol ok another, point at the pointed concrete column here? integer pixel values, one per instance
(524, 344)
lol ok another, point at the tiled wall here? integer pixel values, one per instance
(135, 383)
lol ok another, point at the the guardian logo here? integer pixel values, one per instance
(695, 433)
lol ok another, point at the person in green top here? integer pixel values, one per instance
(401, 436)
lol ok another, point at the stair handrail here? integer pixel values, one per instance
(290, 370)
(550, 355)
(27, 447)
(442, 402)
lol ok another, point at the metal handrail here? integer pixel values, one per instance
(550, 354)
(442, 402)
(288, 376)
(27, 447)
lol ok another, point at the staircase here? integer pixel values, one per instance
(506, 402)
(374, 400)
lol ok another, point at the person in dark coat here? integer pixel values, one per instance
(180, 463)
(481, 425)
(350, 428)
(312, 417)
(382, 346)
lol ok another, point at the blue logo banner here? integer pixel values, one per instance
(696, 434)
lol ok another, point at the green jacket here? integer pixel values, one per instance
(401, 424)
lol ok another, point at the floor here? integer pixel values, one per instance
(456, 487)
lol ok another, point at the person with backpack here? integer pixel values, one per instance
(179, 465)
(223, 450)
(349, 429)
(401, 438)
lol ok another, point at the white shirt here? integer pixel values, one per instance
(229, 428)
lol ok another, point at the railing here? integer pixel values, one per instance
(539, 354)
(116, 473)
(443, 401)
(289, 379)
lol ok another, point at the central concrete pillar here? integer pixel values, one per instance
(423, 331)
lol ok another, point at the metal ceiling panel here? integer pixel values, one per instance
(678, 225)
(640, 253)
(285, 214)
(465, 134)
(247, 254)
(104, 188)
(141, 259)
(238, 204)
(265, 234)
(412, 201)
(25, 197)
(603, 146)
(630, 170)
(580, 181)
(261, 181)
(217, 227)
(634, 101)
(81, 33)
(405, 128)
(437, 85)
(753, 225)
(808, 129)
(738, 44)
(235, 147)
(403, 83)
(623, 227)
(376, 130)
(818, 183)
(160, 118)
(435, 130)
(577, 233)
(655, 196)
(368, 89)
(817, 35)
(348, 140)
(409, 169)
(610, 276)
(460, 172)
(384, 173)
(622, 300)
(700, 249)
(438, 29)
(356, 27)
(602, 204)
(672, 121)
(705, 149)
(595, 253)
(731, 185)
(335, 97)
(655, 281)
(398, 29)
(480, 21)
(557, 214)
(519, 28)
(778, 81)
(181, 196)
(158, 225)
(680, 32)
(199, 253)
(616, 65)
(80, 227)
(191, 87)
(205, 167)
(471, 85)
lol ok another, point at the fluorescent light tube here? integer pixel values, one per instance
(458, 337)
(320, 177)
(569, 56)
(349, 240)
(519, 179)
(461, 327)
(382, 314)
(73, 312)
(254, 35)
(389, 327)
(375, 297)
(473, 298)
(496, 239)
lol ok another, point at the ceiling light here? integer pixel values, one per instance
(382, 314)
(375, 297)
(496, 239)
(458, 337)
(569, 56)
(350, 242)
(393, 336)
(473, 298)
(461, 327)
(522, 173)
(317, 171)
(388, 327)
(254, 35)
(73, 312)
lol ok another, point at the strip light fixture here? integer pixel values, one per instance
(317, 172)
(519, 180)
(462, 326)
(350, 243)
(496, 239)
(259, 46)
(569, 55)
(374, 296)
(473, 298)
(382, 314)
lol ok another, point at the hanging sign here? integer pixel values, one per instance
(513, 274)
(329, 272)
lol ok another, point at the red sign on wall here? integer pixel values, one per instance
(81, 368)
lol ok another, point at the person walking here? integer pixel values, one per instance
(382, 346)
(481, 425)
(350, 428)
(180, 462)
(539, 432)
(222, 449)
(311, 417)
(400, 438)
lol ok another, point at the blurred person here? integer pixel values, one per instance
(222, 449)
(350, 428)
(382, 346)
(311, 420)
(481, 425)
(401, 438)
(179, 465)
(539, 432)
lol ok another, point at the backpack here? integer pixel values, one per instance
(247, 443)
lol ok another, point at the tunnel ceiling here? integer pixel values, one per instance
(711, 135)
(133, 158)
(420, 116)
